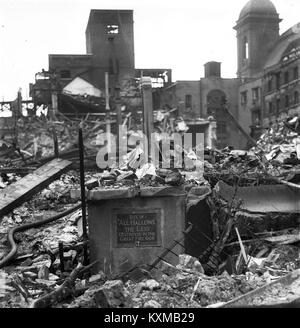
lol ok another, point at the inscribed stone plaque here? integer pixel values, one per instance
(137, 229)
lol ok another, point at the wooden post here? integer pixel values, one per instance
(54, 102)
(119, 115)
(83, 199)
(147, 113)
(108, 129)
(52, 116)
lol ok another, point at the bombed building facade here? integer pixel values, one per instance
(268, 65)
(267, 84)
(109, 49)
(207, 98)
(265, 89)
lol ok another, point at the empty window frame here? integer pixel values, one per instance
(244, 97)
(112, 29)
(256, 117)
(188, 101)
(255, 94)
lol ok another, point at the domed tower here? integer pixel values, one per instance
(257, 30)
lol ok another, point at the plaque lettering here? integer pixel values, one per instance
(137, 229)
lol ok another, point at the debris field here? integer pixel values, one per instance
(253, 246)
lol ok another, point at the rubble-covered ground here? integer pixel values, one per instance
(36, 270)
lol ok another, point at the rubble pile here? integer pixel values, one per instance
(281, 142)
(248, 249)
(186, 287)
(37, 136)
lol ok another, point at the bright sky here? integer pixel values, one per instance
(176, 34)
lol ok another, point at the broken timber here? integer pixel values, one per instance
(18, 192)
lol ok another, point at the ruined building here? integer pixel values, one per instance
(266, 87)
(268, 65)
(206, 98)
(109, 48)
(267, 84)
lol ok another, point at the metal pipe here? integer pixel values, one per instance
(10, 236)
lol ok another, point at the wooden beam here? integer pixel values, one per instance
(147, 113)
(18, 192)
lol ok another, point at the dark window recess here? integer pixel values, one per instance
(270, 108)
(270, 84)
(188, 101)
(296, 73)
(112, 29)
(277, 80)
(286, 77)
(287, 101)
(65, 74)
(296, 97)
(244, 97)
(278, 105)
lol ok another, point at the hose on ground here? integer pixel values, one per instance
(11, 232)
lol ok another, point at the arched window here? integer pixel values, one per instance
(245, 48)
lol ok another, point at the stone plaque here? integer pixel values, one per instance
(137, 229)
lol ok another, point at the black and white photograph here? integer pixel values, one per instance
(149, 157)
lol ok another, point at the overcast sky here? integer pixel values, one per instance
(181, 35)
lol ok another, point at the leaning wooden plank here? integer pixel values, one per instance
(18, 192)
